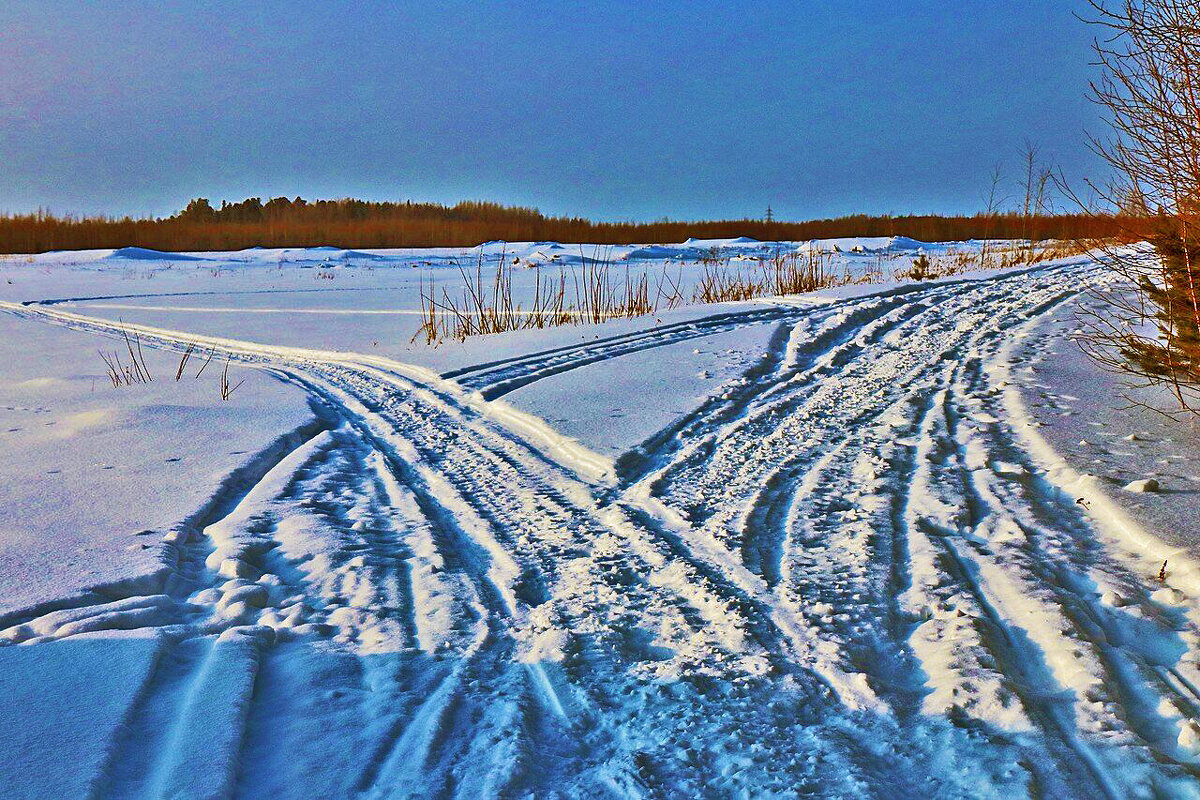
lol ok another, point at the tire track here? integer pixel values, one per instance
(849, 557)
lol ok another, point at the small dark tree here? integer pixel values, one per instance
(1175, 354)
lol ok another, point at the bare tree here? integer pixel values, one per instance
(992, 211)
(1149, 54)
(1034, 184)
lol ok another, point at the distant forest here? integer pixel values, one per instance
(281, 222)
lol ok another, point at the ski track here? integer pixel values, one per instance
(842, 575)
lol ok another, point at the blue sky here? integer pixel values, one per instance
(612, 110)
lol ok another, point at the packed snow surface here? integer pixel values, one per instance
(818, 546)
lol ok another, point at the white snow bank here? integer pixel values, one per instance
(145, 254)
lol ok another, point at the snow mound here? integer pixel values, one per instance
(905, 243)
(692, 242)
(146, 254)
(863, 244)
(1143, 486)
(327, 254)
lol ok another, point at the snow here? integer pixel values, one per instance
(1114, 432)
(1142, 486)
(822, 545)
(65, 703)
(615, 405)
(100, 475)
(145, 254)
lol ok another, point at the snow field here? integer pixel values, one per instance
(850, 570)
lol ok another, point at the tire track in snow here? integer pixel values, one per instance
(786, 361)
(1052, 556)
(808, 526)
(494, 379)
(786, 485)
(701, 606)
(514, 484)
(151, 759)
(1020, 666)
(456, 553)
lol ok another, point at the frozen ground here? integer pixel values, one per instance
(818, 547)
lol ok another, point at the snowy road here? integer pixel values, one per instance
(852, 573)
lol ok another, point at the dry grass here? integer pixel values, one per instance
(723, 282)
(992, 255)
(183, 359)
(781, 274)
(131, 368)
(592, 293)
(122, 373)
(596, 291)
(225, 387)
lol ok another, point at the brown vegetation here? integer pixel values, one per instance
(225, 387)
(131, 369)
(357, 224)
(781, 274)
(135, 371)
(487, 304)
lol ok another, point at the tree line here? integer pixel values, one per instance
(350, 223)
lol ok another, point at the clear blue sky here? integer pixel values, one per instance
(608, 109)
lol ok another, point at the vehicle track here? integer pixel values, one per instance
(850, 558)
